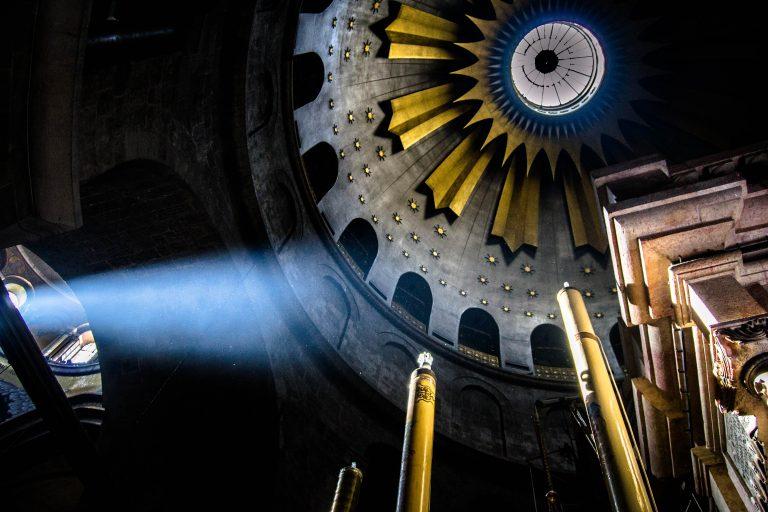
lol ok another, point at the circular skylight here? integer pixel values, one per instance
(557, 67)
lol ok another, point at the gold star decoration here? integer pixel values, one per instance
(599, 314)
(463, 293)
(441, 231)
(375, 219)
(423, 268)
(551, 316)
(390, 237)
(529, 314)
(350, 117)
(335, 129)
(406, 254)
(415, 237)
(367, 170)
(351, 23)
(443, 282)
(484, 302)
(331, 104)
(367, 48)
(347, 54)
(350, 178)
(505, 308)
(342, 154)
(589, 293)
(413, 205)
(614, 289)
(375, 7)
(506, 287)
(330, 77)
(527, 268)
(532, 294)
(434, 253)
(330, 50)
(483, 280)
(397, 218)
(361, 198)
(491, 259)
(587, 270)
(381, 153)
(369, 115)
(358, 145)
(334, 22)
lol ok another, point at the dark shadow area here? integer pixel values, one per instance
(615, 338)
(322, 167)
(308, 78)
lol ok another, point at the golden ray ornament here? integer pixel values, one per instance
(507, 115)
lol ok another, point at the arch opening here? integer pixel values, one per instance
(308, 77)
(551, 355)
(479, 336)
(413, 299)
(360, 244)
(322, 168)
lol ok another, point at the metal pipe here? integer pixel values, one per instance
(40, 384)
(416, 466)
(552, 499)
(625, 477)
(347, 489)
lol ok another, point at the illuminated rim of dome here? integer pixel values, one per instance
(557, 67)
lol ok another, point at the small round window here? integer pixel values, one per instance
(557, 67)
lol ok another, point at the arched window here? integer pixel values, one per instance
(479, 336)
(413, 299)
(551, 355)
(51, 311)
(308, 77)
(315, 6)
(322, 167)
(361, 245)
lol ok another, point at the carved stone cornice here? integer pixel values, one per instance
(751, 331)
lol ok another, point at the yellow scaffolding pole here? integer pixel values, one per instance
(416, 469)
(625, 476)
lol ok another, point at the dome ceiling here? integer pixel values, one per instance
(472, 173)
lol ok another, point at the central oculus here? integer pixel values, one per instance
(557, 67)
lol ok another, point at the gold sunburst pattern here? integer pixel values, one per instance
(496, 126)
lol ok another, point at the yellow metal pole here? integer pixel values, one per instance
(604, 408)
(347, 489)
(416, 467)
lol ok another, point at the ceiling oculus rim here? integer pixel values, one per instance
(557, 67)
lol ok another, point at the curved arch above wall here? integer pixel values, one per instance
(483, 419)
